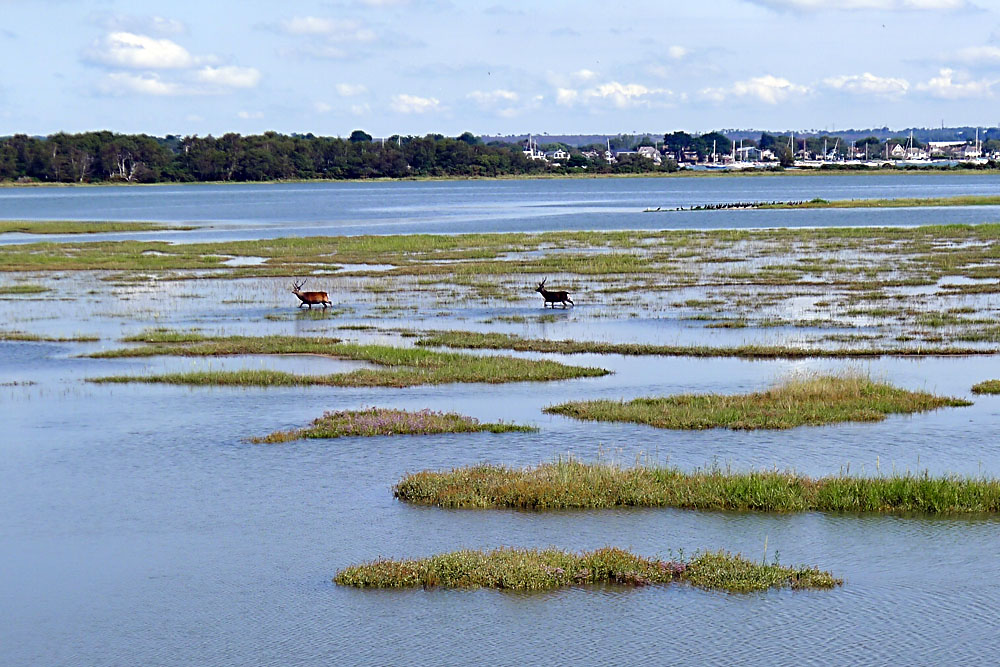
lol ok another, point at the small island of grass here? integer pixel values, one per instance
(987, 387)
(23, 288)
(397, 366)
(534, 570)
(25, 337)
(576, 485)
(474, 340)
(387, 421)
(802, 401)
(82, 227)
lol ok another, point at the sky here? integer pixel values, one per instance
(413, 67)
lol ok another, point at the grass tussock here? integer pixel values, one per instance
(814, 400)
(397, 367)
(569, 484)
(471, 340)
(387, 421)
(987, 387)
(543, 569)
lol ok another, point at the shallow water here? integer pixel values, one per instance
(251, 211)
(139, 526)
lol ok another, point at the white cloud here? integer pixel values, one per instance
(584, 75)
(566, 96)
(945, 86)
(768, 89)
(979, 55)
(404, 103)
(229, 76)
(360, 109)
(322, 107)
(144, 24)
(351, 89)
(886, 5)
(677, 52)
(620, 95)
(119, 83)
(247, 115)
(340, 30)
(502, 102)
(126, 49)
(493, 97)
(869, 84)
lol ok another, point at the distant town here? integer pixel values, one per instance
(719, 150)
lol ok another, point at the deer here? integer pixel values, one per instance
(309, 298)
(553, 297)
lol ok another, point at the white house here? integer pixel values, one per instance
(650, 153)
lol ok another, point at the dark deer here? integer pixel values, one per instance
(309, 298)
(553, 297)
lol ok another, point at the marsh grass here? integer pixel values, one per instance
(472, 340)
(543, 569)
(812, 400)
(570, 484)
(399, 367)
(387, 421)
(81, 227)
(901, 202)
(23, 288)
(22, 336)
(987, 387)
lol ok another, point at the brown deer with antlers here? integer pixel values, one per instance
(553, 297)
(309, 298)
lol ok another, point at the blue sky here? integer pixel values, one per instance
(556, 66)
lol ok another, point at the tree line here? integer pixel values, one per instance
(101, 157)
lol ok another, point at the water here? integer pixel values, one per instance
(139, 526)
(241, 211)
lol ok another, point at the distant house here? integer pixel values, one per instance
(947, 148)
(591, 155)
(898, 152)
(650, 153)
(558, 155)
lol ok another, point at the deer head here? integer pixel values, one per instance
(541, 285)
(296, 286)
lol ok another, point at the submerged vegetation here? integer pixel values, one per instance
(799, 401)
(387, 421)
(572, 484)
(863, 292)
(397, 367)
(534, 569)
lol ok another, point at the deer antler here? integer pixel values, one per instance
(298, 285)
